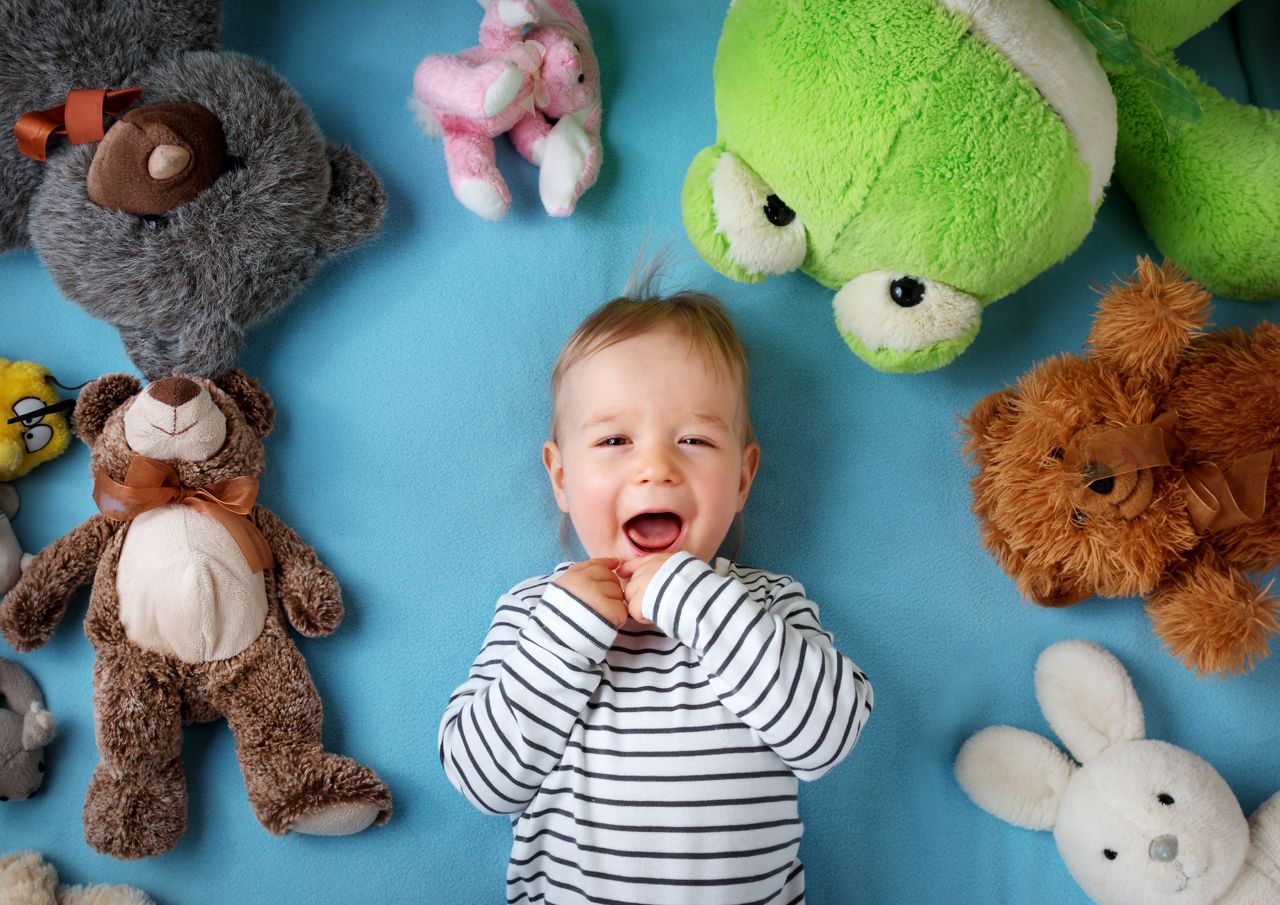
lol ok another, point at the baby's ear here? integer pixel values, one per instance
(1144, 325)
(1015, 775)
(356, 203)
(1087, 697)
(98, 400)
(252, 400)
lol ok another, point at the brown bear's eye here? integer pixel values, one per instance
(155, 222)
(1057, 453)
(1079, 517)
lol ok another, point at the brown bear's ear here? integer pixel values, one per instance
(98, 400)
(1144, 325)
(985, 415)
(253, 401)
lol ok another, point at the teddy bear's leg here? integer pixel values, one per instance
(1212, 617)
(474, 176)
(1209, 199)
(293, 783)
(137, 800)
(468, 88)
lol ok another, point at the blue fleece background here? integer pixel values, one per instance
(411, 379)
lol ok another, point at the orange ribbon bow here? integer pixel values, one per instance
(79, 119)
(150, 484)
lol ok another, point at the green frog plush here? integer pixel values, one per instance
(924, 158)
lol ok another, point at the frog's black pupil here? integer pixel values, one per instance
(1103, 486)
(777, 212)
(907, 292)
(1110, 855)
(1165, 798)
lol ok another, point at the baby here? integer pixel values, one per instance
(644, 715)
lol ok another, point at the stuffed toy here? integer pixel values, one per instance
(27, 879)
(192, 585)
(924, 158)
(1146, 467)
(1137, 821)
(25, 728)
(33, 429)
(203, 208)
(534, 76)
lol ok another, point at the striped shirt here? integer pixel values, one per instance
(654, 764)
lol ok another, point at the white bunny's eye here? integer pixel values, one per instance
(37, 437)
(1110, 854)
(764, 233)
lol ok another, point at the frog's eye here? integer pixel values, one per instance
(764, 234)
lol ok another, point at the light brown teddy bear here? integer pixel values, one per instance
(1147, 467)
(192, 583)
(27, 879)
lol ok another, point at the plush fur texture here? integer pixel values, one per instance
(1139, 822)
(552, 113)
(181, 288)
(25, 728)
(136, 803)
(1063, 540)
(916, 138)
(27, 879)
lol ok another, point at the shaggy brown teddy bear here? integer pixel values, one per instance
(192, 583)
(1147, 467)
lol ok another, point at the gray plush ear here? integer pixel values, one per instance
(1015, 775)
(1087, 697)
(356, 203)
(37, 728)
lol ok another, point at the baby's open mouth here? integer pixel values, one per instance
(653, 532)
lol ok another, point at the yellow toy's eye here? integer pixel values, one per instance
(37, 438)
(25, 406)
(764, 234)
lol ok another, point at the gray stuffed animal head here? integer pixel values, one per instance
(25, 728)
(182, 287)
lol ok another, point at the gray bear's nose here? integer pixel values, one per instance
(1164, 848)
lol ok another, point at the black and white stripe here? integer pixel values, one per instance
(654, 764)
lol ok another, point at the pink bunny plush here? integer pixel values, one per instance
(533, 75)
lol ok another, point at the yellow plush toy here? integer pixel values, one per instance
(33, 429)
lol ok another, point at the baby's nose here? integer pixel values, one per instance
(656, 466)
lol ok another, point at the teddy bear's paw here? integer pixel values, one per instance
(482, 198)
(505, 89)
(516, 13)
(1226, 631)
(338, 797)
(130, 817)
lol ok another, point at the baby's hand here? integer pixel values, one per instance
(594, 583)
(638, 573)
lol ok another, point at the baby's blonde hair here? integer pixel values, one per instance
(700, 317)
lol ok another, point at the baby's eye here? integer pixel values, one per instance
(697, 441)
(613, 441)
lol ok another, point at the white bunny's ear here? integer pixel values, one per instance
(1087, 698)
(1015, 775)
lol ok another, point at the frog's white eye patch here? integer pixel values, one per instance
(903, 313)
(764, 234)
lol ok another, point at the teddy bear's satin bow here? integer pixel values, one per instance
(527, 55)
(79, 119)
(150, 484)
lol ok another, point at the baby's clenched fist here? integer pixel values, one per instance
(594, 582)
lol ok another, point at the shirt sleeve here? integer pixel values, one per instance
(506, 727)
(770, 663)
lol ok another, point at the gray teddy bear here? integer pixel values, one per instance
(208, 202)
(25, 728)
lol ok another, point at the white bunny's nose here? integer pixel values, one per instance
(1164, 848)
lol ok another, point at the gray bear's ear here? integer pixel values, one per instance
(254, 403)
(98, 400)
(356, 203)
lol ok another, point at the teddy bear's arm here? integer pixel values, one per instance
(32, 610)
(309, 591)
(1211, 616)
(504, 22)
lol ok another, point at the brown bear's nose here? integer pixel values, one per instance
(174, 390)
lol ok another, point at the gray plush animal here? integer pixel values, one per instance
(25, 728)
(273, 201)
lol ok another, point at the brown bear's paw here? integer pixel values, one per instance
(26, 622)
(1223, 628)
(334, 796)
(135, 817)
(313, 601)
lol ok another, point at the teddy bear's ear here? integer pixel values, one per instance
(356, 203)
(1015, 775)
(254, 403)
(1144, 325)
(977, 427)
(1087, 697)
(98, 400)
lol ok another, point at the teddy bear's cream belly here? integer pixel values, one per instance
(185, 588)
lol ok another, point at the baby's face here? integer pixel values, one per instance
(650, 455)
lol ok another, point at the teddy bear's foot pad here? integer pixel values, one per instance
(339, 819)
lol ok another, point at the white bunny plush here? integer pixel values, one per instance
(1138, 822)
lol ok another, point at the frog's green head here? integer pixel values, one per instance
(921, 157)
